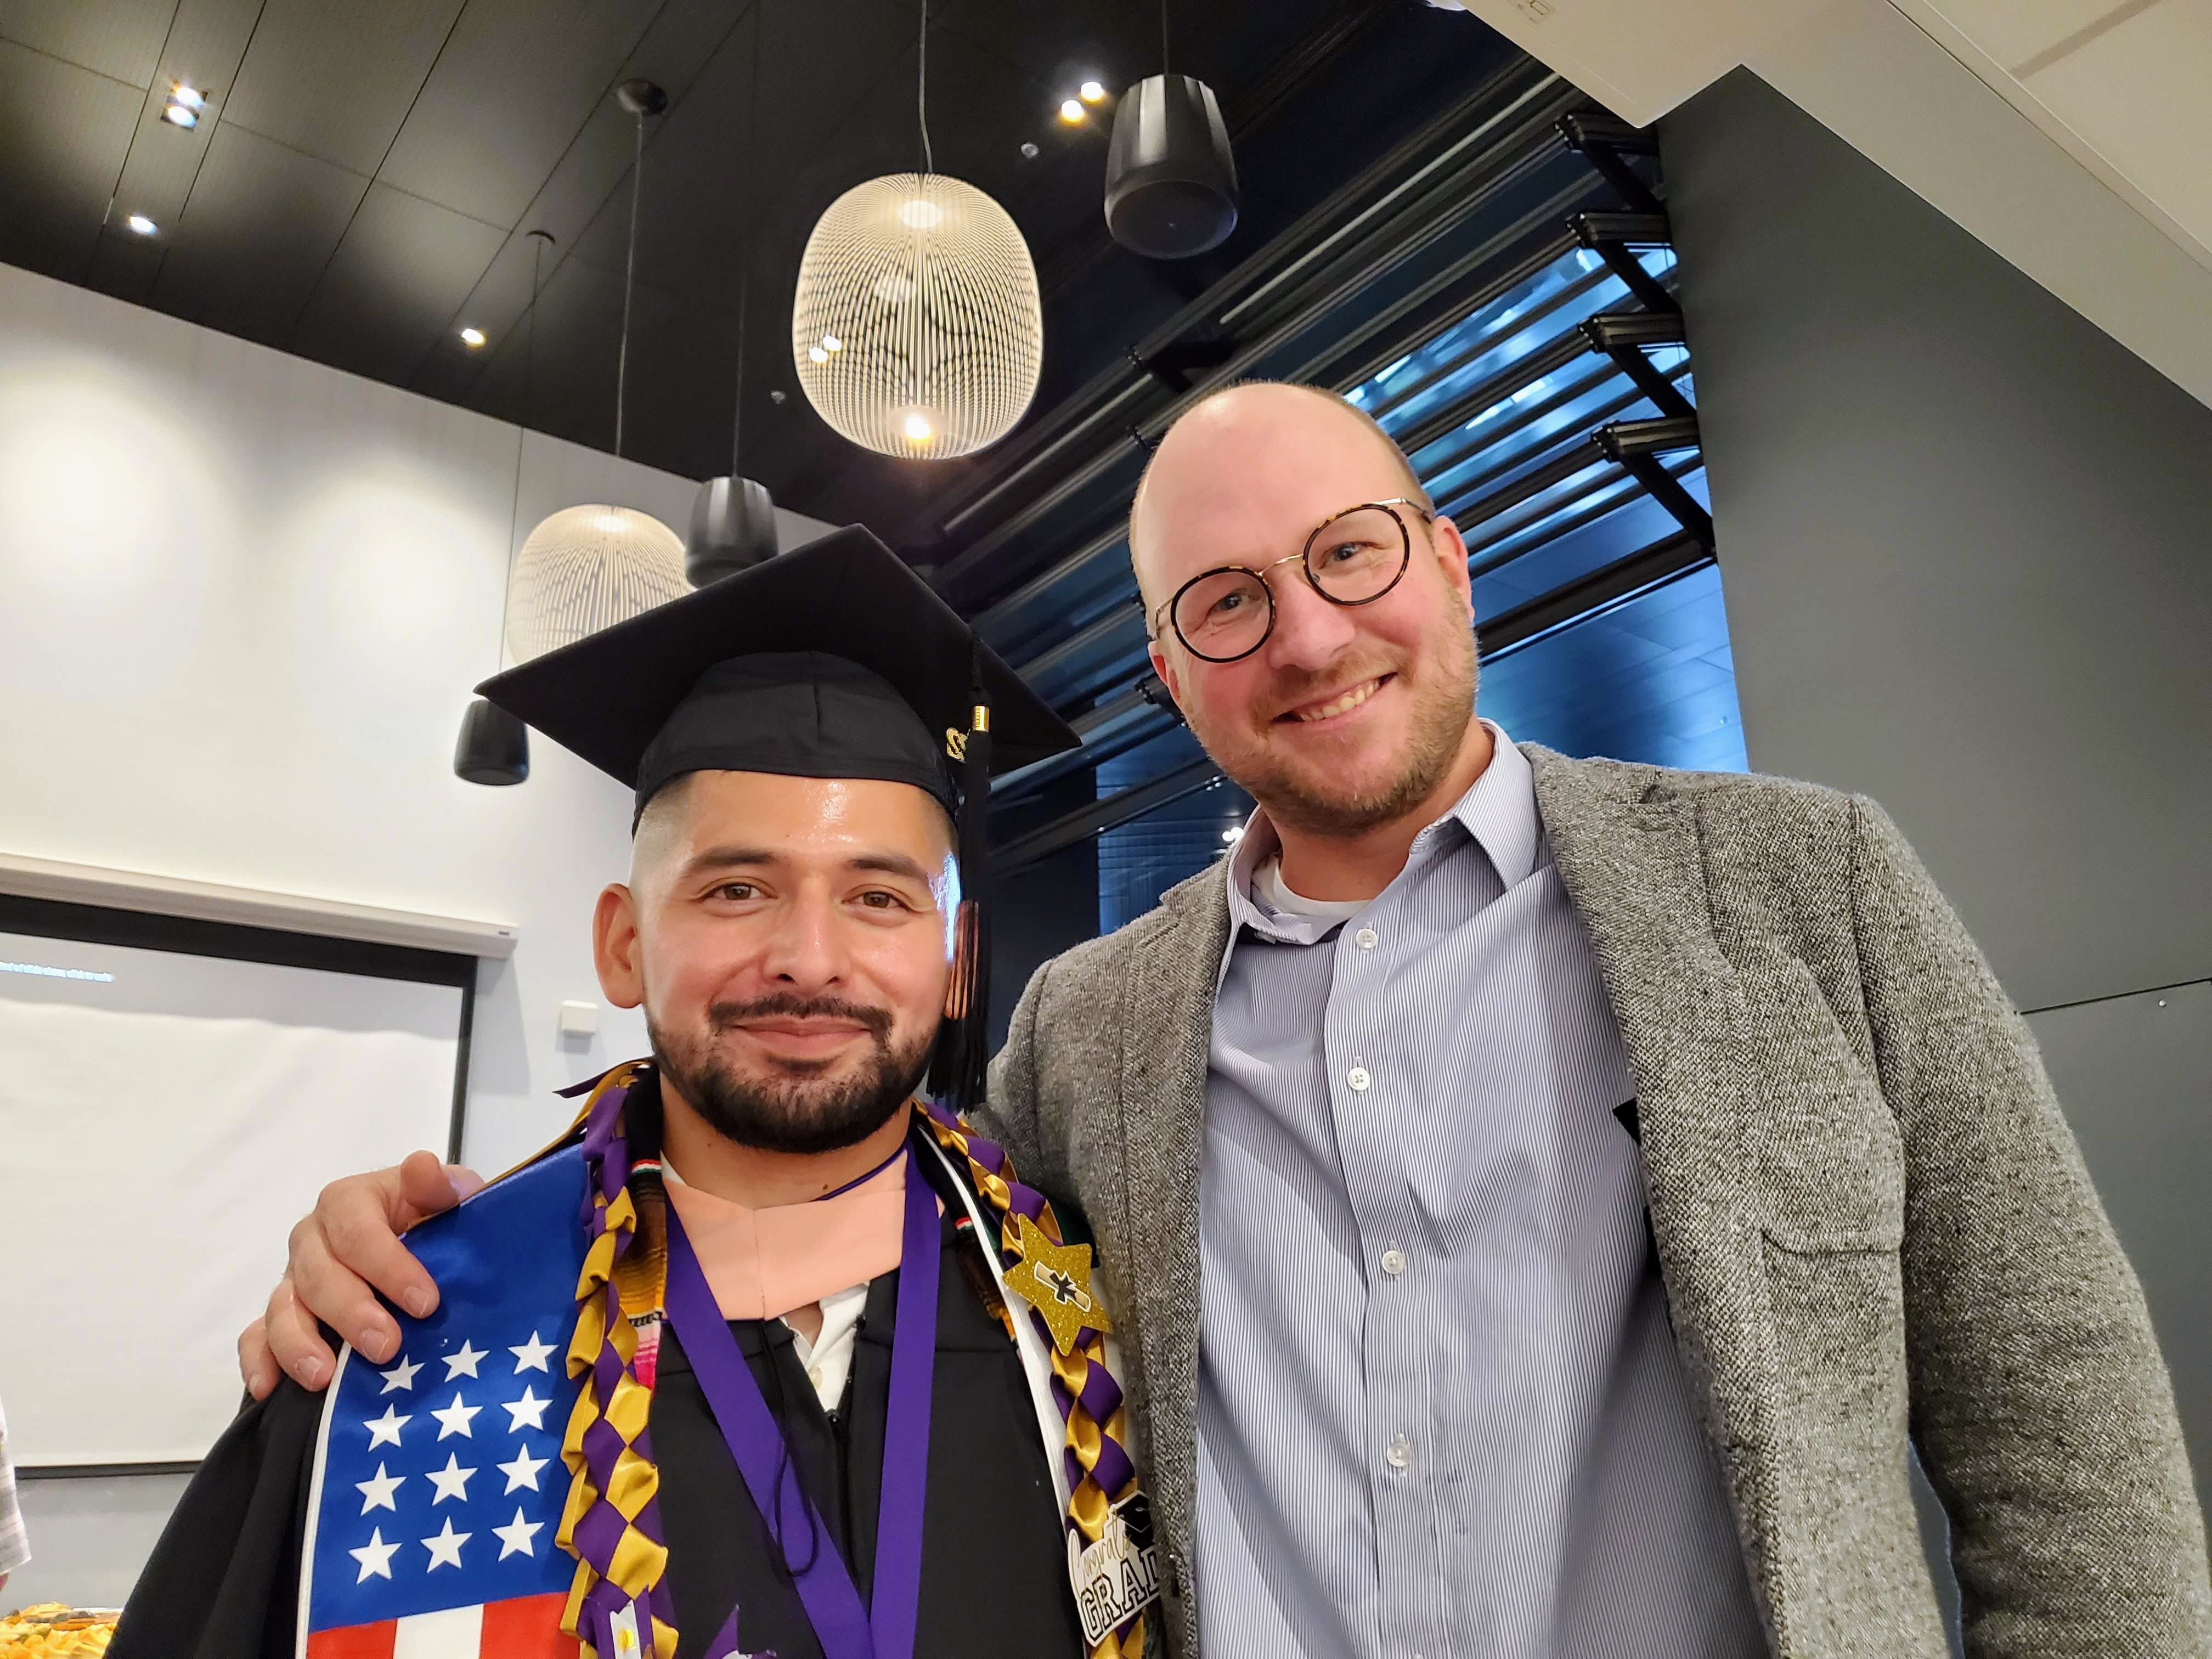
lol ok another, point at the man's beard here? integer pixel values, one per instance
(1297, 795)
(804, 1112)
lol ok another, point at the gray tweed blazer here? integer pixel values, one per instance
(1874, 1228)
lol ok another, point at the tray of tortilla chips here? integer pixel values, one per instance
(50, 1631)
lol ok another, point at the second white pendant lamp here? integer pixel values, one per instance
(584, 568)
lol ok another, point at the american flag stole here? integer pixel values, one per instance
(436, 1487)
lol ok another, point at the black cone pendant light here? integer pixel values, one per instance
(732, 520)
(1170, 179)
(493, 747)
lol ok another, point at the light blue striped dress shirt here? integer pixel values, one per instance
(1440, 1412)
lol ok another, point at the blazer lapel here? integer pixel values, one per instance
(1626, 841)
(1165, 1045)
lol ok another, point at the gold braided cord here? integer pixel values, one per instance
(639, 1563)
(1089, 1506)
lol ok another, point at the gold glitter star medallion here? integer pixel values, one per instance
(1055, 1279)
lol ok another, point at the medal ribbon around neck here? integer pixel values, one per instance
(612, 1522)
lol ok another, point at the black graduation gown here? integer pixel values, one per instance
(223, 1582)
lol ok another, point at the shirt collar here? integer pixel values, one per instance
(1498, 813)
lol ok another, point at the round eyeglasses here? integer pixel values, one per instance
(1353, 558)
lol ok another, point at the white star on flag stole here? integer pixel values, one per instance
(438, 1483)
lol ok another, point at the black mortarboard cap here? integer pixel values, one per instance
(834, 661)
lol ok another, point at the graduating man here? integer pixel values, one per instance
(766, 1355)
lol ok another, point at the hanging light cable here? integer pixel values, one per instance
(494, 746)
(732, 519)
(916, 327)
(586, 567)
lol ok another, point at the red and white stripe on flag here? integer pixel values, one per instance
(524, 1627)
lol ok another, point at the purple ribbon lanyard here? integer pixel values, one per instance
(886, 1629)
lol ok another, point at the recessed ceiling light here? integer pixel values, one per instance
(917, 429)
(142, 224)
(180, 115)
(188, 96)
(472, 338)
(1071, 112)
(1092, 91)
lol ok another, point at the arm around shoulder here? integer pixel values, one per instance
(2040, 1404)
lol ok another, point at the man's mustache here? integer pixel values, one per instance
(722, 1016)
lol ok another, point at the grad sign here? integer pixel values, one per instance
(1119, 1577)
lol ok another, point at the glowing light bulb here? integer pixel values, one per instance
(831, 342)
(1071, 112)
(919, 214)
(917, 429)
(1092, 92)
(176, 115)
(142, 224)
(189, 97)
(472, 338)
(611, 522)
(816, 354)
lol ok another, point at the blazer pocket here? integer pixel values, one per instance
(1835, 1299)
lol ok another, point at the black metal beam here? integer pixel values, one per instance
(1624, 337)
(1604, 589)
(1603, 141)
(1104, 814)
(1611, 236)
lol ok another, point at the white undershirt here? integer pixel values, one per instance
(1268, 889)
(828, 1360)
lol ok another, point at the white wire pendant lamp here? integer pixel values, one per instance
(584, 568)
(917, 330)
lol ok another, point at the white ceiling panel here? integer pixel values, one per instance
(2141, 92)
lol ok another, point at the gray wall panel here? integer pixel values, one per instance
(1967, 541)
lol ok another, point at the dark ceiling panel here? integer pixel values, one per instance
(511, 89)
(404, 263)
(334, 81)
(255, 236)
(119, 41)
(683, 37)
(63, 130)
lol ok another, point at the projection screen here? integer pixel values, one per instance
(166, 1115)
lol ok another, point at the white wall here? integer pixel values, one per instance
(243, 598)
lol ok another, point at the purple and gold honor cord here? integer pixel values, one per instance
(1100, 1475)
(612, 1521)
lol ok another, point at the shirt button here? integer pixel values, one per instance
(1394, 1262)
(1358, 1078)
(1398, 1452)
(1365, 938)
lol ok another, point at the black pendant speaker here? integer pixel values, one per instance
(1170, 179)
(732, 529)
(494, 746)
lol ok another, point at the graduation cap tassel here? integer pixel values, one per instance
(962, 1063)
